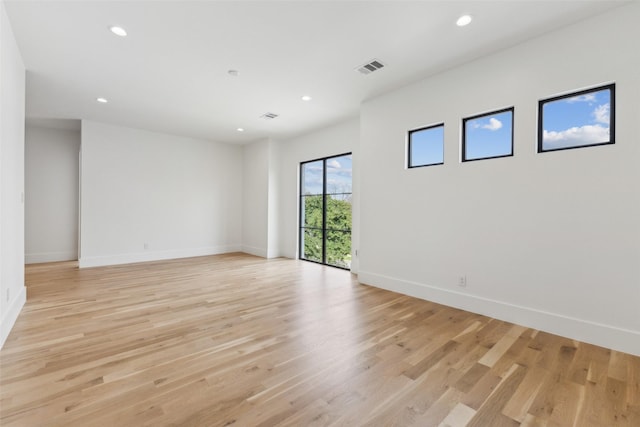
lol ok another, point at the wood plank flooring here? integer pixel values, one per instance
(236, 340)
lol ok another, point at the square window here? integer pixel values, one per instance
(488, 136)
(578, 119)
(426, 146)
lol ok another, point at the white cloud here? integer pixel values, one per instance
(589, 97)
(602, 113)
(333, 163)
(494, 124)
(338, 186)
(584, 135)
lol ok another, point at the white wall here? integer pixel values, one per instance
(338, 139)
(546, 240)
(255, 206)
(51, 194)
(12, 89)
(260, 223)
(180, 196)
(273, 225)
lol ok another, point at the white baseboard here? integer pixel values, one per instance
(608, 336)
(35, 258)
(11, 315)
(252, 250)
(99, 261)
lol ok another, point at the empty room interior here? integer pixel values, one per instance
(328, 213)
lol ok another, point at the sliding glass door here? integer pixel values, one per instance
(325, 210)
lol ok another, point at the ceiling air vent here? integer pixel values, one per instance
(269, 116)
(370, 67)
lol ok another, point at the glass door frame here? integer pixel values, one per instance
(301, 210)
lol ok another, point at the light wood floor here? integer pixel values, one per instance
(239, 340)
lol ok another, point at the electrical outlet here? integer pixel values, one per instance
(146, 246)
(462, 281)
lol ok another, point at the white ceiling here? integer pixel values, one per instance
(170, 73)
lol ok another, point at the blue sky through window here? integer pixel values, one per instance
(427, 146)
(339, 170)
(576, 121)
(312, 178)
(489, 136)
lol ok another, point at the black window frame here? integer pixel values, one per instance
(409, 145)
(463, 154)
(612, 116)
(324, 194)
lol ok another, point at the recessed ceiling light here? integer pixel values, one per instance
(306, 98)
(464, 20)
(118, 31)
(234, 73)
(240, 129)
(102, 100)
